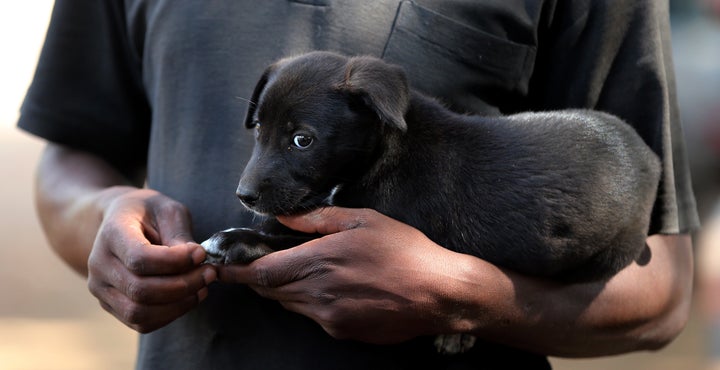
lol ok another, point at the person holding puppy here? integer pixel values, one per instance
(146, 144)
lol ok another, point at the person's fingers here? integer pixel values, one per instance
(148, 259)
(278, 268)
(165, 289)
(106, 269)
(236, 274)
(127, 242)
(146, 303)
(312, 259)
(146, 318)
(173, 222)
(144, 267)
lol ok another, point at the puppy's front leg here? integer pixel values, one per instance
(244, 245)
(237, 245)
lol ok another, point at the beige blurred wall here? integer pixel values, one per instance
(47, 318)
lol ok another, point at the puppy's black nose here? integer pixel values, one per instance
(247, 196)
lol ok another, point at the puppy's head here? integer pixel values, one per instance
(319, 120)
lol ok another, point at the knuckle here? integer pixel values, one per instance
(136, 291)
(92, 261)
(94, 286)
(133, 314)
(111, 229)
(105, 306)
(93, 267)
(135, 261)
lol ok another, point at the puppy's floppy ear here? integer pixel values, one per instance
(253, 103)
(382, 86)
(255, 99)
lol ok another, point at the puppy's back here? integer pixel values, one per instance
(564, 194)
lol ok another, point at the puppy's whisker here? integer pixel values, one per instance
(246, 100)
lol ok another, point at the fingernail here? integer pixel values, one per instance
(198, 255)
(209, 275)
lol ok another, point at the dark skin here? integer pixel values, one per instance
(134, 245)
(371, 278)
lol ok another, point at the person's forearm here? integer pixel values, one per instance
(642, 308)
(70, 189)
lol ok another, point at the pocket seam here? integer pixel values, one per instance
(514, 62)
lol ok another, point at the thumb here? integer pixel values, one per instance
(175, 228)
(174, 225)
(328, 220)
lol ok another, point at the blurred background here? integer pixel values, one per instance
(48, 320)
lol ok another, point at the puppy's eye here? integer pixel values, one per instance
(302, 141)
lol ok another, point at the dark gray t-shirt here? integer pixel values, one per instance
(159, 85)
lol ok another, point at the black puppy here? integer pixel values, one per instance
(565, 195)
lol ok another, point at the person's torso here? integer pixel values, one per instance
(200, 61)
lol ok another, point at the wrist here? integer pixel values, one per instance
(488, 301)
(103, 199)
(73, 228)
(465, 294)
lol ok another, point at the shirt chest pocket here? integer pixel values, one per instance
(467, 68)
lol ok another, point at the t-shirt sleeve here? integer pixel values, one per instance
(615, 56)
(87, 89)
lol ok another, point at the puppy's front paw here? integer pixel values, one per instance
(238, 245)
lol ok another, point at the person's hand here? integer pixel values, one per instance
(371, 278)
(144, 267)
